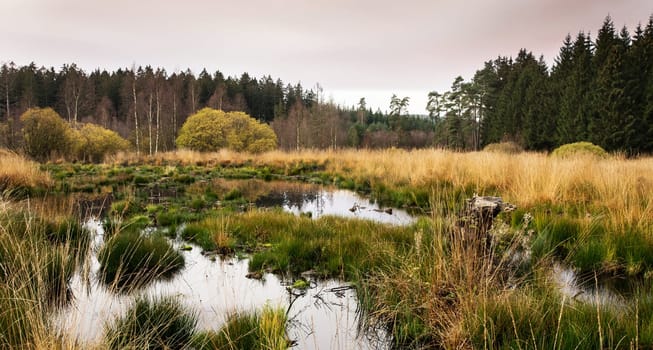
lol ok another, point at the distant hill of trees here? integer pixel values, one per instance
(597, 90)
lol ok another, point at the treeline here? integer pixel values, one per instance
(597, 90)
(148, 106)
(143, 104)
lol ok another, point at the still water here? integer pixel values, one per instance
(325, 317)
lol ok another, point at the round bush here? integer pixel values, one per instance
(210, 130)
(45, 133)
(579, 149)
(93, 143)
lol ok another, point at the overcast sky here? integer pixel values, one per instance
(353, 48)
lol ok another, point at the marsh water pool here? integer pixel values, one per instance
(325, 316)
(320, 201)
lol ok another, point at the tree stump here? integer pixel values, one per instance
(478, 216)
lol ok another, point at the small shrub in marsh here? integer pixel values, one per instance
(152, 324)
(504, 147)
(210, 130)
(579, 149)
(130, 260)
(45, 133)
(94, 143)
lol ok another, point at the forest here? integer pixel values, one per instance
(597, 90)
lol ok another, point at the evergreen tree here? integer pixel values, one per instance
(539, 116)
(611, 123)
(574, 103)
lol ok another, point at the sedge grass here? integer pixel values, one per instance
(159, 323)
(35, 273)
(264, 330)
(331, 246)
(129, 260)
(211, 233)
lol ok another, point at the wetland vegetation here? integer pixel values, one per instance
(423, 282)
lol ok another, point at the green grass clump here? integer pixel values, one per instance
(333, 246)
(539, 318)
(172, 217)
(211, 234)
(184, 179)
(233, 194)
(255, 331)
(579, 149)
(625, 251)
(130, 260)
(125, 208)
(556, 239)
(152, 324)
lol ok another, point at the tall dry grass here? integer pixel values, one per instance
(18, 173)
(34, 275)
(622, 186)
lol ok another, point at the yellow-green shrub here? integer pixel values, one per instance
(579, 149)
(210, 130)
(93, 142)
(45, 133)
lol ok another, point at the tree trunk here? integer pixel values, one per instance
(138, 148)
(7, 97)
(149, 125)
(76, 106)
(158, 121)
(192, 98)
(174, 115)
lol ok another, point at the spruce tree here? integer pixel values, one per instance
(574, 100)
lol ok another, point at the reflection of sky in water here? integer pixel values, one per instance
(337, 202)
(321, 319)
(569, 286)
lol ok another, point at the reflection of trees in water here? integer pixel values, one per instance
(299, 198)
(296, 196)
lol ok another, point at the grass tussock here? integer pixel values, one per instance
(331, 246)
(538, 317)
(37, 262)
(20, 176)
(450, 293)
(211, 233)
(152, 324)
(264, 330)
(129, 260)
